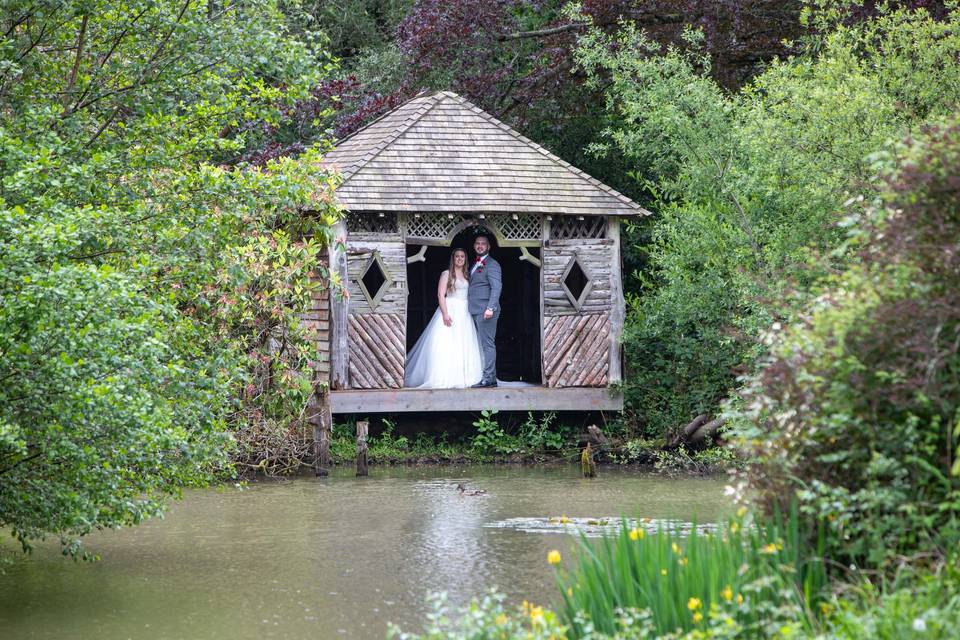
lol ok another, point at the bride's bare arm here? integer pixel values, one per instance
(442, 298)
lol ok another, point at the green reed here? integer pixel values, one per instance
(749, 576)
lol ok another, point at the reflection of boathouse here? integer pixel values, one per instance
(429, 175)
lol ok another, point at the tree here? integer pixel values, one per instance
(855, 411)
(746, 186)
(142, 268)
(515, 59)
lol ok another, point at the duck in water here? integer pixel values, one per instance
(462, 490)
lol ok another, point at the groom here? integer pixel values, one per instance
(484, 305)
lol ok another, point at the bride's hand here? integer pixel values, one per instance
(447, 320)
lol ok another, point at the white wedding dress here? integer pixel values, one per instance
(447, 357)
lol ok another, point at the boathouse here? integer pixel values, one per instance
(429, 176)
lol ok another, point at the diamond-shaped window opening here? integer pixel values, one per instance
(375, 280)
(576, 283)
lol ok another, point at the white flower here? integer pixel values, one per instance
(919, 624)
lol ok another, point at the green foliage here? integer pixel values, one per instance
(491, 438)
(351, 27)
(711, 460)
(747, 186)
(752, 577)
(150, 281)
(485, 619)
(390, 448)
(541, 435)
(917, 606)
(855, 410)
(533, 438)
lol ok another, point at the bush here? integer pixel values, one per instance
(856, 410)
(925, 606)
(747, 184)
(491, 437)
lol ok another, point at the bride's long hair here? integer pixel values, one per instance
(452, 279)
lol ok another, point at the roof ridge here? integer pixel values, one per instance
(551, 156)
(430, 102)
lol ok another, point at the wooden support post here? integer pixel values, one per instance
(362, 427)
(339, 341)
(544, 241)
(617, 303)
(322, 419)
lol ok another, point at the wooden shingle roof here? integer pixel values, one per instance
(441, 153)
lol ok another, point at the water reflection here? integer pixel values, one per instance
(320, 558)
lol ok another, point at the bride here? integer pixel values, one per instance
(447, 355)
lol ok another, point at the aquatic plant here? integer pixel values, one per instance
(754, 577)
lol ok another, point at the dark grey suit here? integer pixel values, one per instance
(484, 293)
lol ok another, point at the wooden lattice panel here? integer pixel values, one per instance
(372, 222)
(521, 227)
(435, 226)
(377, 351)
(577, 350)
(578, 227)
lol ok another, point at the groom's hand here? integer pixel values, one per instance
(488, 314)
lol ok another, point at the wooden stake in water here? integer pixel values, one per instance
(587, 464)
(362, 427)
(322, 418)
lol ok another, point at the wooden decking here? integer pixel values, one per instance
(501, 398)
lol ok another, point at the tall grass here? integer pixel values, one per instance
(752, 577)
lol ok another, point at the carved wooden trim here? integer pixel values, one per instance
(576, 301)
(375, 261)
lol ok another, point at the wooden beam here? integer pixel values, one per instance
(370, 401)
(339, 343)
(617, 303)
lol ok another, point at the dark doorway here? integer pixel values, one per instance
(518, 331)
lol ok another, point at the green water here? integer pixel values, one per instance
(329, 558)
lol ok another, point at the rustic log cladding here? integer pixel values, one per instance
(377, 350)
(377, 320)
(594, 258)
(576, 350)
(316, 325)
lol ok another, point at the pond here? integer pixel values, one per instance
(335, 557)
